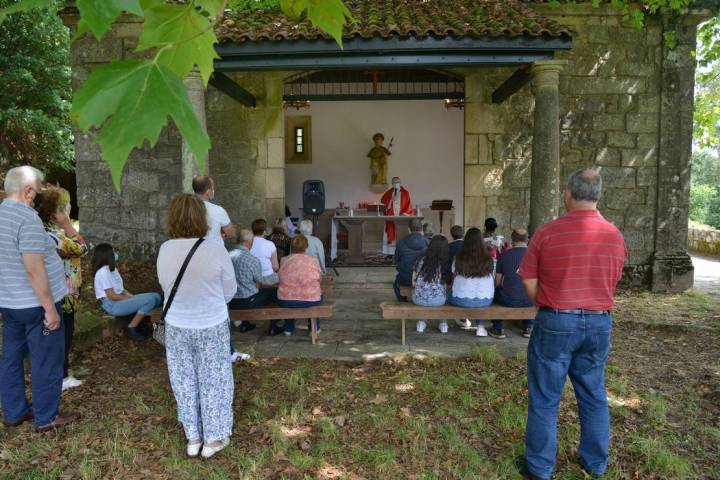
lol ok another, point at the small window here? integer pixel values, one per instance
(299, 140)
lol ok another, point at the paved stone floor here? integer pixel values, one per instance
(707, 273)
(357, 330)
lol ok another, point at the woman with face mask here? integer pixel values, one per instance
(115, 299)
(54, 211)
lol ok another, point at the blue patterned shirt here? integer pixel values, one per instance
(248, 272)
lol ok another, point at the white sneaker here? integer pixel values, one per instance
(193, 449)
(287, 334)
(208, 452)
(481, 332)
(464, 324)
(420, 326)
(239, 357)
(70, 382)
(443, 326)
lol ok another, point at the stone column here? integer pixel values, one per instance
(545, 181)
(672, 269)
(196, 92)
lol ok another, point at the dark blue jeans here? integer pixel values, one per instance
(562, 345)
(290, 324)
(505, 301)
(23, 333)
(263, 297)
(396, 289)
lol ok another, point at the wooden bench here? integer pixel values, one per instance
(275, 312)
(409, 311)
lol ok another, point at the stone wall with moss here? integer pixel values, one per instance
(609, 118)
(705, 240)
(247, 158)
(132, 220)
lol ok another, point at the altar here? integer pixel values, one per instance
(355, 225)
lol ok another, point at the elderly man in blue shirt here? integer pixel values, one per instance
(248, 275)
(32, 285)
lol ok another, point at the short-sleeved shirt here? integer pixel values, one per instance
(217, 218)
(104, 279)
(21, 231)
(263, 250)
(455, 246)
(577, 260)
(300, 278)
(507, 265)
(248, 272)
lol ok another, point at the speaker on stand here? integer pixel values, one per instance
(314, 202)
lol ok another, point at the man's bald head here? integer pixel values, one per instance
(519, 235)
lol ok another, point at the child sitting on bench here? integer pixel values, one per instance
(115, 300)
(431, 277)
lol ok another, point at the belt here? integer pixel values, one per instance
(576, 311)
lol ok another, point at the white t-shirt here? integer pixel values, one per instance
(217, 218)
(206, 287)
(263, 249)
(473, 287)
(105, 279)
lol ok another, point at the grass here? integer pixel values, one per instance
(416, 419)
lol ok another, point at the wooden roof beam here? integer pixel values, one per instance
(514, 83)
(230, 88)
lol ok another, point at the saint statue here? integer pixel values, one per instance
(378, 160)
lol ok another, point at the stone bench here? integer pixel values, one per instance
(275, 312)
(409, 311)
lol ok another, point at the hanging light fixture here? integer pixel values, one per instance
(296, 104)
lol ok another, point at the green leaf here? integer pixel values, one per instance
(327, 15)
(212, 7)
(99, 15)
(293, 8)
(185, 36)
(24, 6)
(130, 101)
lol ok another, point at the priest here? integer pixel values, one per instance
(397, 202)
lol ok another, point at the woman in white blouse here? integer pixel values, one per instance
(196, 327)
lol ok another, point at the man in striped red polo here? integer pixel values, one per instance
(570, 270)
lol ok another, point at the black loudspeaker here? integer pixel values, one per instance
(313, 197)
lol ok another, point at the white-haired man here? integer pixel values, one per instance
(32, 285)
(315, 245)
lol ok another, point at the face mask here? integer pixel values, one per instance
(211, 194)
(396, 186)
(117, 257)
(37, 201)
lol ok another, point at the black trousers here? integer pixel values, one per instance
(69, 321)
(260, 299)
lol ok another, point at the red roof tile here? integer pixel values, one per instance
(400, 18)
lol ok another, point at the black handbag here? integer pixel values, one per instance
(159, 327)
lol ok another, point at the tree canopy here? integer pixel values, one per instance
(35, 93)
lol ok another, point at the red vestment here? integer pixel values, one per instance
(405, 209)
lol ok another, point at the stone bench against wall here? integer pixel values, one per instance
(705, 240)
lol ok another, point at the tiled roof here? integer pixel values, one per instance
(400, 18)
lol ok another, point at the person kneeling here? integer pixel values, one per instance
(473, 283)
(115, 300)
(300, 277)
(431, 277)
(248, 275)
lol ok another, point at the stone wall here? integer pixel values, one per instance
(705, 240)
(247, 158)
(609, 118)
(132, 221)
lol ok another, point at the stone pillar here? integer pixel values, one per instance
(196, 92)
(672, 269)
(545, 180)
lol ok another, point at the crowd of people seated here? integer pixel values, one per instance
(476, 270)
(40, 280)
